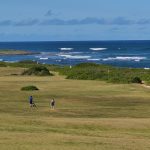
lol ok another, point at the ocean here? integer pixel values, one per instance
(134, 54)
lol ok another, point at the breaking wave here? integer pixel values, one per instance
(66, 49)
(98, 49)
(93, 59)
(125, 58)
(75, 56)
(44, 58)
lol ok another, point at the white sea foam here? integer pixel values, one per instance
(66, 49)
(37, 56)
(75, 52)
(134, 58)
(93, 59)
(44, 58)
(58, 60)
(137, 60)
(74, 56)
(98, 49)
(146, 68)
(68, 54)
(11, 61)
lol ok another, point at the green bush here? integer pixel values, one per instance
(29, 88)
(28, 62)
(38, 71)
(3, 64)
(87, 65)
(136, 80)
(86, 74)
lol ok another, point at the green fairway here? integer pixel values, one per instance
(89, 115)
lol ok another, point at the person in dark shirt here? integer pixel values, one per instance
(32, 104)
(31, 101)
(52, 103)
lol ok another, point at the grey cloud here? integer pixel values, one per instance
(53, 22)
(29, 22)
(93, 21)
(88, 20)
(74, 21)
(119, 21)
(49, 13)
(122, 21)
(143, 21)
(6, 23)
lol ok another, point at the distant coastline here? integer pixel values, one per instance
(17, 52)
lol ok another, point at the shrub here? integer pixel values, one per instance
(29, 88)
(28, 62)
(37, 70)
(136, 80)
(3, 64)
(86, 74)
(87, 65)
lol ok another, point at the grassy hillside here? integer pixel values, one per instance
(89, 115)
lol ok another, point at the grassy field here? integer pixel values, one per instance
(89, 115)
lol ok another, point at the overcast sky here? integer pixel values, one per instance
(54, 20)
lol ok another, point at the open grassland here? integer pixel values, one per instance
(89, 115)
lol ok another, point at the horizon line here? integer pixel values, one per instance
(70, 41)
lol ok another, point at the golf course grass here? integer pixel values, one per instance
(89, 115)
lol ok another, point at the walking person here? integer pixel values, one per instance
(32, 104)
(31, 101)
(52, 103)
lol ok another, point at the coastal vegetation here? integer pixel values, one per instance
(29, 88)
(86, 71)
(28, 62)
(91, 71)
(38, 71)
